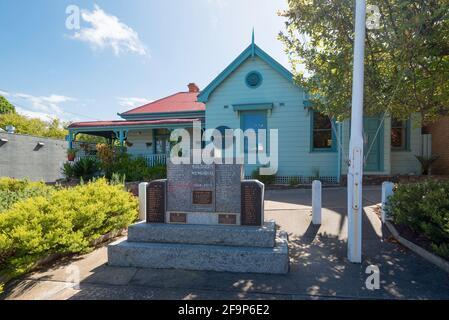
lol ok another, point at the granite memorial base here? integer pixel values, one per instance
(203, 247)
(203, 217)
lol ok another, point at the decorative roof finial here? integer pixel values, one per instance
(253, 45)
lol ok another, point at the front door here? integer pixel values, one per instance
(374, 159)
(253, 120)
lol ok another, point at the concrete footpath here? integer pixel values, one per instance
(319, 268)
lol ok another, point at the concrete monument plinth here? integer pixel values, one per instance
(203, 217)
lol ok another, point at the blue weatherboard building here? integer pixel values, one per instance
(255, 91)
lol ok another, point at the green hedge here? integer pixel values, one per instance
(266, 180)
(424, 208)
(123, 165)
(135, 169)
(12, 191)
(63, 222)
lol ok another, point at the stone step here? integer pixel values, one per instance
(202, 234)
(201, 257)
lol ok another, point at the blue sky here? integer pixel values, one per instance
(126, 52)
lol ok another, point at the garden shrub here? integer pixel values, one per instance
(158, 172)
(424, 208)
(12, 191)
(116, 161)
(113, 162)
(84, 168)
(267, 180)
(134, 169)
(106, 154)
(67, 221)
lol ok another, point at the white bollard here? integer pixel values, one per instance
(316, 202)
(143, 201)
(387, 191)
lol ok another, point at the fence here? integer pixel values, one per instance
(156, 159)
(151, 159)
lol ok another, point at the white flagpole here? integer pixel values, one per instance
(355, 172)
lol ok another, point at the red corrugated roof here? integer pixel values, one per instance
(179, 102)
(120, 123)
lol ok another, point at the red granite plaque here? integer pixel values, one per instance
(156, 202)
(251, 203)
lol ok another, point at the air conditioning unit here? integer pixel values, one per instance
(10, 129)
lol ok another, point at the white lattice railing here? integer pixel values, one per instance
(155, 159)
(152, 159)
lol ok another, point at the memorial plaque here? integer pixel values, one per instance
(227, 188)
(252, 203)
(202, 197)
(156, 201)
(178, 217)
(227, 219)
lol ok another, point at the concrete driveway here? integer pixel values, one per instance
(319, 268)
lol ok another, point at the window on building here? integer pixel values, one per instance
(162, 141)
(321, 132)
(399, 134)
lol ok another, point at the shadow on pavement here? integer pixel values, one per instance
(319, 269)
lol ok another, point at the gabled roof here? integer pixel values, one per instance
(178, 102)
(251, 51)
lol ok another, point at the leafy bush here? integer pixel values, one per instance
(67, 170)
(134, 169)
(424, 208)
(106, 154)
(116, 161)
(85, 168)
(67, 221)
(117, 179)
(267, 180)
(12, 191)
(158, 172)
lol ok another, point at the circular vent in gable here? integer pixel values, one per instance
(253, 79)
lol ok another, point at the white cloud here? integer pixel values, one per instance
(43, 107)
(4, 93)
(108, 31)
(215, 14)
(132, 102)
(47, 104)
(35, 114)
(219, 3)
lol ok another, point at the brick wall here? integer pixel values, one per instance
(440, 145)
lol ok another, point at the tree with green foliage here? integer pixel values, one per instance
(54, 128)
(407, 55)
(6, 106)
(33, 126)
